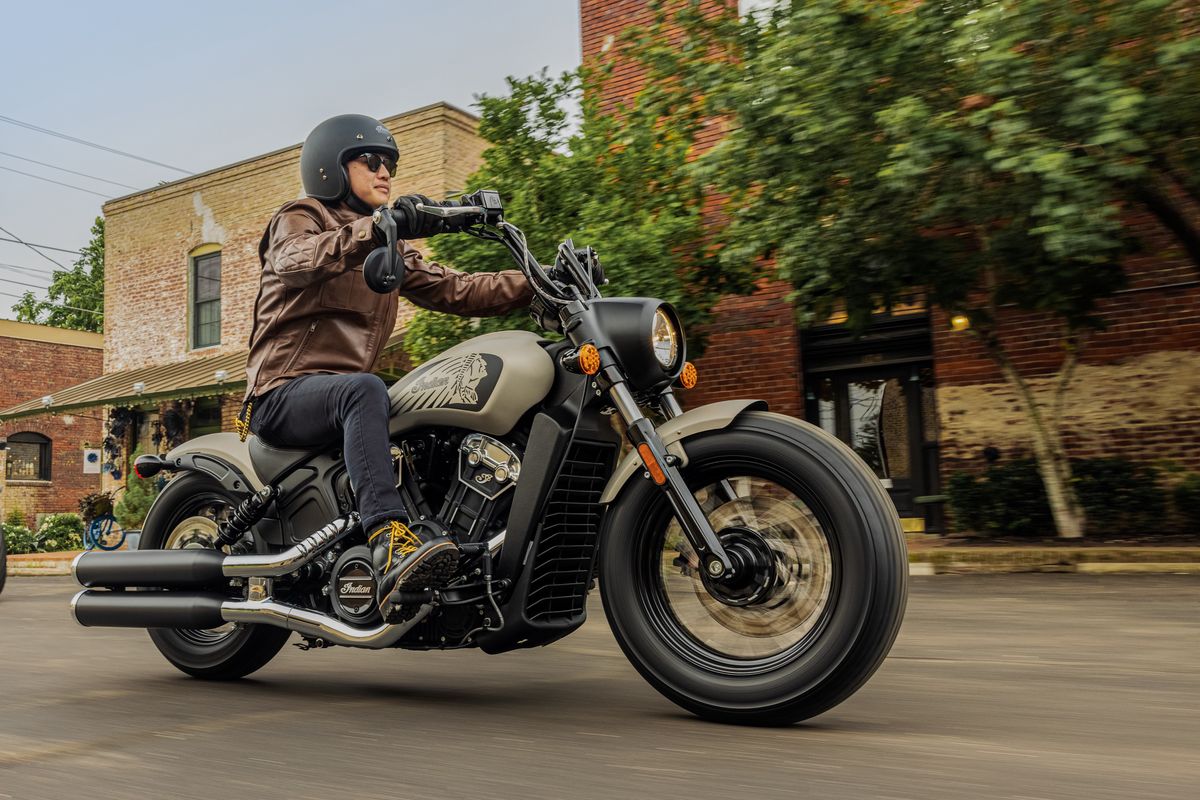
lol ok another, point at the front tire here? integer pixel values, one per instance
(826, 545)
(186, 515)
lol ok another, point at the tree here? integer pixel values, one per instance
(617, 184)
(75, 298)
(981, 150)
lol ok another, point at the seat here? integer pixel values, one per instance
(272, 462)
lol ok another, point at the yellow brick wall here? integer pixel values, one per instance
(149, 235)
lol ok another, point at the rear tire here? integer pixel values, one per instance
(185, 515)
(834, 612)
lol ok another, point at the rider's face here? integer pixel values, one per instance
(373, 188)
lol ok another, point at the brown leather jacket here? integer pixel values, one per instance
(315, 314)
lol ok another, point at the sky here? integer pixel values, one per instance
(199, 85)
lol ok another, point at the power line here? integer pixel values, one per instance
(49, 132)
(31, 247)
(30, 270)
(40, 246)
(59, 305)
(60, 183)
(26, 285)
(64, 169)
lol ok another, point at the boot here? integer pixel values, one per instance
(409, 563)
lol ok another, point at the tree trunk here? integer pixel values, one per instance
(1070, 519)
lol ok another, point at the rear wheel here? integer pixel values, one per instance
(186, 516)
(820, 576)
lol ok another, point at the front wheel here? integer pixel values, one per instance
(187, 515)
(818, 594)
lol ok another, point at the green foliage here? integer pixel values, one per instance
(60, 532)
(15, 517)
(73, 294)
(1120, 497)
(1008, 499)
(19, 539)
(1186, 496)
(139, 494)
(981, 149)
(619, 185)
(95, 504)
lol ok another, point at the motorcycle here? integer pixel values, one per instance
(750, 565)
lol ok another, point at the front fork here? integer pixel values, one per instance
(662, 468)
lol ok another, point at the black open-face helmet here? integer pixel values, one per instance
(326, 150)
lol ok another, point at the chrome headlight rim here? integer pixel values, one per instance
(665, 337)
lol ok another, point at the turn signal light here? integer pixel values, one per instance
(656, 471)
(589, 359)
(687, 378)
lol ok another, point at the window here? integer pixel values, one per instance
(205, 417)
(28, 457)
(206, 299)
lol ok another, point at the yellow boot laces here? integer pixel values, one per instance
(402, 542)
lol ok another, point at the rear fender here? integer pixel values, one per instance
(221, 455)
(711, 417)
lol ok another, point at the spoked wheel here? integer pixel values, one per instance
(185, 516)
(817, 591)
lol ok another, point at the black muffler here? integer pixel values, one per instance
(152, 569)
(105, 609)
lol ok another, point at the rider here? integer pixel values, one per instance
(319, 329)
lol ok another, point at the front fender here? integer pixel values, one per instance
(223, 456)
(711, 417)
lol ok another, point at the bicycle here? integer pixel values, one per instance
(103, 532)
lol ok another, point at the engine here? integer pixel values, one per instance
(474, 475)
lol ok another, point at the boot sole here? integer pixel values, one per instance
(433, 571)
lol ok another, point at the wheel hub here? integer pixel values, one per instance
(753, 578)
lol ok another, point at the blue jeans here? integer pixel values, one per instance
(327, 410)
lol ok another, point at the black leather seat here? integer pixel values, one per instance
(272, 462)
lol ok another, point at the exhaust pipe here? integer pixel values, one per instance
(197, 568)
(199, 610)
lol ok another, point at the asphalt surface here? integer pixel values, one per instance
(1012, 686)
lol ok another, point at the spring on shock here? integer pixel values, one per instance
(250, 511)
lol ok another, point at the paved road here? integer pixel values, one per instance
(1040, 686)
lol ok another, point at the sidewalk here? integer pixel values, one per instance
(927, 555)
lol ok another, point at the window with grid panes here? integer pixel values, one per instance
(206, 300)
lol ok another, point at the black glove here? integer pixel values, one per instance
(411, 223)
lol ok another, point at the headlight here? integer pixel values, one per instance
(664, 340)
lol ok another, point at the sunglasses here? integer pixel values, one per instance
(374, 160)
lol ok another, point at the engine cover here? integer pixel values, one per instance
(352, 587)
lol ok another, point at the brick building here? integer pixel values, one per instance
(919, 400)
(42, 466)
(182, 273)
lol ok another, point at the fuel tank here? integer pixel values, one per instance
(484, 384)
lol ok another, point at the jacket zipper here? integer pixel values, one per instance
(303, 343)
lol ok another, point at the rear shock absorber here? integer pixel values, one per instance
(250, 511)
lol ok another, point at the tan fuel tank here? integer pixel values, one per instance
(484, 384)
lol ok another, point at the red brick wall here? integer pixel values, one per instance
(30, 369)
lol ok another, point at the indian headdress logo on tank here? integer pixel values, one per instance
(463, 382)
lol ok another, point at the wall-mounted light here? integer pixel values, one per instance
(221, 375)
(139, 387)
(960, 322)
(47, 400)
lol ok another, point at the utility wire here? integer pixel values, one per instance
(26, 285)
(40, 246)
(60, 183)
(31, 247)
(39, 271)
(64, 169)
(49, 132)
(59, 305)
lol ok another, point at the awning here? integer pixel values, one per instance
(195, 377)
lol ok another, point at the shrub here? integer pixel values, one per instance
(15, 517)
(61, 532)
(18, 538)
(1186, 495)
(1119, 497)
(135, 504)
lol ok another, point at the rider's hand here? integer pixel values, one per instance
(411, 223)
